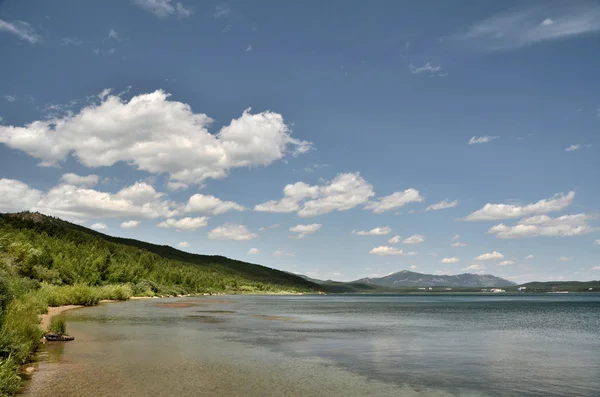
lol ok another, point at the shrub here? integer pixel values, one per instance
(9, 380)
(58, 325)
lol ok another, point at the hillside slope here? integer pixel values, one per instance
(60, 252)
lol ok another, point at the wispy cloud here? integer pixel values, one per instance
(21, 29)
(164, 8)
(427, 68)
(221, 12)
(481, 139)
(442, 205)
(249, 48)
(572, 148)
(526, 25)
(10, 98)
(70, 41)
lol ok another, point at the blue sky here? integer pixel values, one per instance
(337, 139)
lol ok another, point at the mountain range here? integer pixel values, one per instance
(406, 278)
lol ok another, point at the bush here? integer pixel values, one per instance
(115, 292)
(9, 379)
(58, 325)
(20, 333)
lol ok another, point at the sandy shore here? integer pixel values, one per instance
(54, 311)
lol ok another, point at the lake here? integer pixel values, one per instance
(339, 345)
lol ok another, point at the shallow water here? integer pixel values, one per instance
(409, 345)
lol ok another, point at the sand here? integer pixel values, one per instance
(54, 311)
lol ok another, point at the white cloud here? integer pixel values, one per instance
(506, 263)
(99, 226)
(414, 239)
(597, 242)
(450, 260)
(490, 256)
(249, 48)
(596, 268)
(394, 200)
(183, 244)
(474, 267)
(253, 251)
(156, 135)
(164, 8)
(231, 231)
(412, 267)
(395, 240)
(572, 148)
(491, 212)
(186, 223)
(442, 205)
(303, 230)
(130, 224)
(265, 228)
(565, 258)
(529, 257)
(72, 202)
(211, 205)
(456, 237)
(543, 225)
(342, 193)
(17, 196)
(10, 98)
(280, 253)
(384, 250)
(481, 139)
(458, 244)
(21, 29)
(378, 231)
(428, 67)
(525, 26)
(77, 180)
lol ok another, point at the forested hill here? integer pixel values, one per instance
(54, 251)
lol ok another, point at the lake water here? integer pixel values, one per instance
(409, 345)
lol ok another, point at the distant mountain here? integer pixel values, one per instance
(407, 278)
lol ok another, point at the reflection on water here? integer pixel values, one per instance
(329, 346)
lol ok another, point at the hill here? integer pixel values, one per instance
(407, 278)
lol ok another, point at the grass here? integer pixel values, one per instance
(58, 325)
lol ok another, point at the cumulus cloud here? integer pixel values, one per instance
(546, 226)
(450, 260)
(253, 251)
(183, 244)
(596, 268)
(458, 244)
(490, 256)
(21, 29)
(474, 267)
(71, 202)
(491, 212)
(413, 267)
(164, 8)
(175, 186)
(597, 242)
(395, 200)
(231, 231)
(77, 180)
(572, 148)
(156, 135)
(395, 240)
(565, 258)
(442, 205)
(481, 139)
(130, 224)
(529, 25)
(303, 230)
(186, 223)
(211, 205)
(506, 263)
(529, 257)
(414, 239)
(99, 226)
(280, 253)
(342, 193)
(378, 231)
(384, 250)
(17, 196)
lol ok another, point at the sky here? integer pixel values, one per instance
(338, 139)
